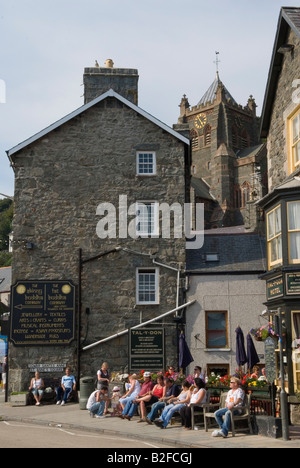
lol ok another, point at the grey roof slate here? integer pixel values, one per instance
(292, 17)
(211, 93)
(289, 18)
(202, 189)
(243, 253)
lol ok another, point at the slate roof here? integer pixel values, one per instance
(5, 280)
(291, 184)
(249, 152)
(238, 253)
(202, 189)
(211, 93)
(289, 18)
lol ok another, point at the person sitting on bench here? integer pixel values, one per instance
(68, 384)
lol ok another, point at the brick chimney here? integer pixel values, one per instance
(98, 80)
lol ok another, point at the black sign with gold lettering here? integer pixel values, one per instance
(43, 313)
(147, 349)
(275, 288)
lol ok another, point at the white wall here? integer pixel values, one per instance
(241, 296)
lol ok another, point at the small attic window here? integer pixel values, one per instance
(211, 257)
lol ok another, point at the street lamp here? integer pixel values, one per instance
(283, 394)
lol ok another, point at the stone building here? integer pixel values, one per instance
(79, 186)
(223, 278)
(228, 160)
(281, 127)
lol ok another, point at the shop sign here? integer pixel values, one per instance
(293, 284)
(43, 313)
(147, 349)
(275, 288)
(48, 368)
(270, 359)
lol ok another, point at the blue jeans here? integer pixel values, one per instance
(168, 413)
(225, 425)
(98, 408)
(61, 393)
(155, 409)
(130, 408)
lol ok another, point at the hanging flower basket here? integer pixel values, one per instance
(262, 333)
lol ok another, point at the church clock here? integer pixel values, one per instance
(200, 121)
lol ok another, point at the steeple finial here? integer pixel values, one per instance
(217, 61)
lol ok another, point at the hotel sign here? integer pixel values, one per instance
(43, 313)
(275, 288)
(293, 284)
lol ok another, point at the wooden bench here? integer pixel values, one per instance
(198, 410)
(245, 416)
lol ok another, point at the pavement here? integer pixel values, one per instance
(72, 417)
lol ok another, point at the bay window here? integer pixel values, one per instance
(274, 237)
(294, 231)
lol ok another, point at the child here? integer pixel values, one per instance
(115, 402)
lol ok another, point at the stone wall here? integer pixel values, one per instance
(59, 182)
(283, 106)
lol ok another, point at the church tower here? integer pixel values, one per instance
(228, 161)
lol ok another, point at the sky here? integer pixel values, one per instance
(46, 44)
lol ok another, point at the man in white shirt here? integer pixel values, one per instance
(68, 384)
(234, 400)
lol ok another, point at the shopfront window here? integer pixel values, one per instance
(274, 236)
(294, 231)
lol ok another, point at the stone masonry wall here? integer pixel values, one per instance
(59, 182)
(282, 108)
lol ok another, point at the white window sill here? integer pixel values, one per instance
(213, 350)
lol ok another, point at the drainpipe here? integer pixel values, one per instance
(178, 279)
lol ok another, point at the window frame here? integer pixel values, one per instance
(155, 232)
(293, 165)
(279, 261)
(144, 270)
(138, 168)
(225, 312)
(291, 231)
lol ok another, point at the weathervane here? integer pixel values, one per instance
(217, 61)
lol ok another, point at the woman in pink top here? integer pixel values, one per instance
(152, 397)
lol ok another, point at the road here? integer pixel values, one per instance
(19, 435)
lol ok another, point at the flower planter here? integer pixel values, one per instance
(217, 391)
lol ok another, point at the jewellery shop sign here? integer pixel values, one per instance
(43, 313)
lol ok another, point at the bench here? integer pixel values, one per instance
(49, 396)
(245, 416)
(198, 410)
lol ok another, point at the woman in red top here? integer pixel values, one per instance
(152, 397)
